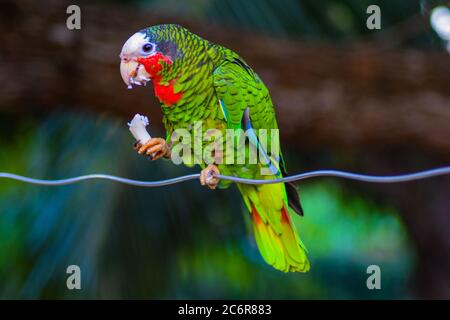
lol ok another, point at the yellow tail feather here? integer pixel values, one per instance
(283, 251)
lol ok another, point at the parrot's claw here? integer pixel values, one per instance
(155, 148)
(208, 176)
(137, 145)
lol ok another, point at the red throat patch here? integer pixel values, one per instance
(164, 92)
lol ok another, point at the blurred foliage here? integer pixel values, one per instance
(180, 241)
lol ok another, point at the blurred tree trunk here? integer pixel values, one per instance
(355, 100)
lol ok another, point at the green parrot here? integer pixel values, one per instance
(197, 81)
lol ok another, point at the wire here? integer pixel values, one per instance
(348, 175)
(131, 182)
(302, 176)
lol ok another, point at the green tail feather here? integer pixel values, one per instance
(275, 234)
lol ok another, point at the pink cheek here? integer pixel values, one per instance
(165, 93)
(153, 65)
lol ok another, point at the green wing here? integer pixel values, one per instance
(246, 104)
(238, 89)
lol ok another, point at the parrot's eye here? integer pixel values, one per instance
(147, 48)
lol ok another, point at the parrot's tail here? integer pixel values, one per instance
(275, 233)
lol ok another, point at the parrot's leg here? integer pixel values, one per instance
(207, 176)
(155, 148)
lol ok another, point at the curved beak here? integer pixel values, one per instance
(128, 70)
(133, 73)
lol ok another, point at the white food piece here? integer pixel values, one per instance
(137, 127)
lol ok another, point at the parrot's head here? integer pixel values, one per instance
(151, 53)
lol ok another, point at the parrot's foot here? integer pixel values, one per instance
(207, 176)
(155, 148)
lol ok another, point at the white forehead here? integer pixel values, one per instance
(134, 44)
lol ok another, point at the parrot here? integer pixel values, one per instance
(196, 80)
